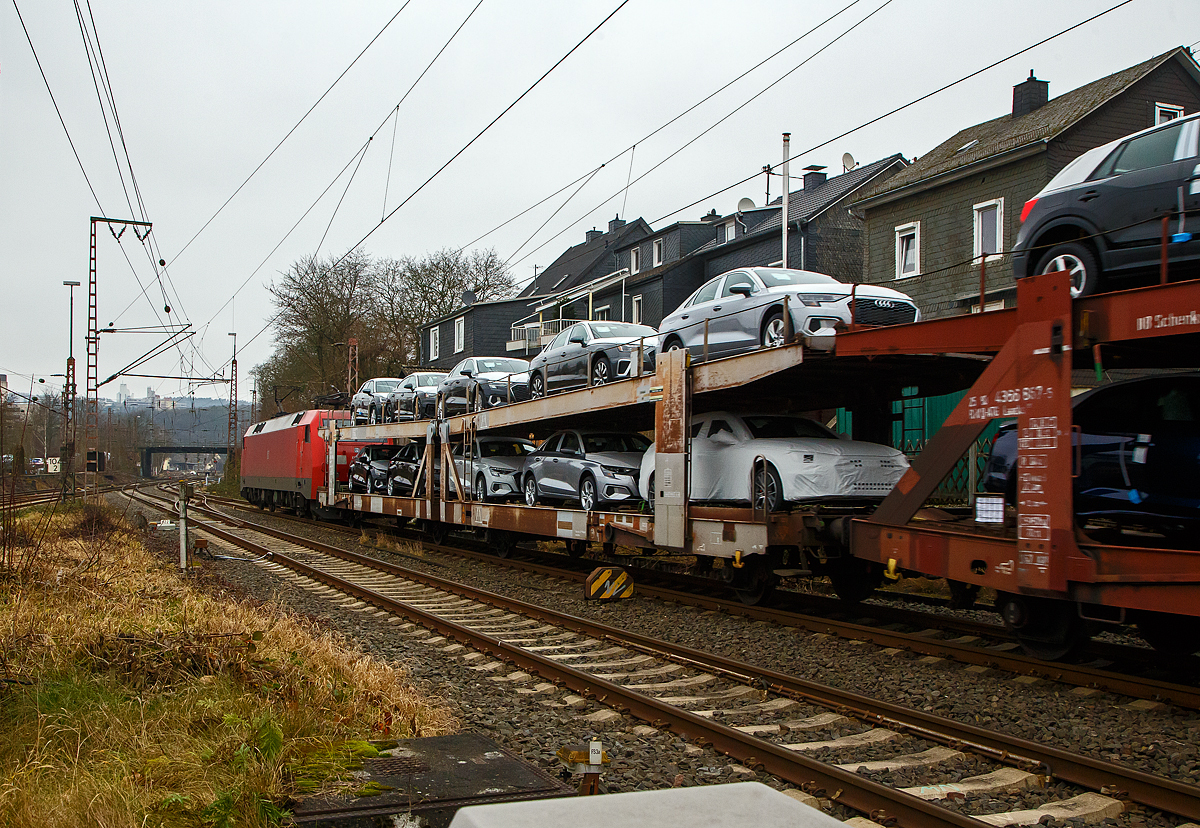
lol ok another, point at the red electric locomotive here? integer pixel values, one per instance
(284, 460)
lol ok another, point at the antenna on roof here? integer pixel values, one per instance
(468, 297)
(745, 204)
(847, 162)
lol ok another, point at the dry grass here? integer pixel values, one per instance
(129, 697)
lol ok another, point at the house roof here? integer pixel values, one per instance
(807, 204)
(575, 265)
(463, 310)
(1000, 135)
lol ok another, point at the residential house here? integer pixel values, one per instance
(933, 227)
(483, 328)
(654, 274)
(822, 234)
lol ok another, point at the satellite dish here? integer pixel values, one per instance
(469, 297)
(745, 204)
(847, 162)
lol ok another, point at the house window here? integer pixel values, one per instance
(989, 228)
(1166, 112)
(657, 252)
(908, 250)
(636, 311)
(460, 334)
(730, 231)
(433, 344)
(600, 313)
(635, 259)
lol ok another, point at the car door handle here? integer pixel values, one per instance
(717, 308)
(1089, 195)
(683, 316)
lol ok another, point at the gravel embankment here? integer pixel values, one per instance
(1164, 741)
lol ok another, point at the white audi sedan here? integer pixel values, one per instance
(743, 309)
(805, 461)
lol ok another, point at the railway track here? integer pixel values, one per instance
(767, 720)
(1128, 670)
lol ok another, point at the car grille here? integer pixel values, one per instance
(883, 311)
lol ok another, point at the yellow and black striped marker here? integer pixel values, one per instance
(608, 583)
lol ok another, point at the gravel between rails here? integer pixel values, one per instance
(1164, 740)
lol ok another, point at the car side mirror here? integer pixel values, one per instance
(725, 438)
(467, 372)
(741, 290)
(579, 337)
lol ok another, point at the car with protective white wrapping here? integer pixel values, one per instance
(802, 461)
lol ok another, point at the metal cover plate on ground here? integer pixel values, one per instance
(432, 778)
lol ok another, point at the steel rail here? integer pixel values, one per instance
(1074, 674)
(1146, 789)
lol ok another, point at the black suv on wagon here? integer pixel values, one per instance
(1101, 217)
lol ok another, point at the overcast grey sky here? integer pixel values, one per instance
(204, 92)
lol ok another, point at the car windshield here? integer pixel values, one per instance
(777, 277)
(622, 329)
(1078, 170)
(765, 427)
(384, 386)
(424, 380)
(504, 448)
(501, 366)
(614, 442)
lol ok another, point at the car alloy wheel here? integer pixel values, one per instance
(440, 407)
(537, 386)
(773, 332)
(1078, 261)
(587, 493)
(480, 488)
(674, 344)
(601, 371)
(477, 403)
(416, 412)
(531, 493)
(650, 493)
(768, 491)
(372, 416)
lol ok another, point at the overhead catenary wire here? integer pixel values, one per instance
(668, 123)
(719, 121)
(902, 107)
(282, 140)
(480, 134)
(394, 112)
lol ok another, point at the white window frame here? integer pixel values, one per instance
(635, 259)
(730, 230)
(635, 309)
(433, 343)
(601, 313)
(460, 334)
(658, 248)
(1164, 112)
(977, 211)
(913, 228)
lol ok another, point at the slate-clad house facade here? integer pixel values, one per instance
(929, 227)
(481, 329)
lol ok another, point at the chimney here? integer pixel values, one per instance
(615, 224)
(592, 235)
(1029, 94)
(710, 217)
(813, 176)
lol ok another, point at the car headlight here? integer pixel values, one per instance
(615, 470)
(814, 300)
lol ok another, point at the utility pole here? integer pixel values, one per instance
(141, 229)
(352, 366)
(787, 185)
(231, 448)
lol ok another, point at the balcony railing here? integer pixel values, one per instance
(532, 336)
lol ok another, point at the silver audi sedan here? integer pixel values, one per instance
(744, 309)
(588, 466)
